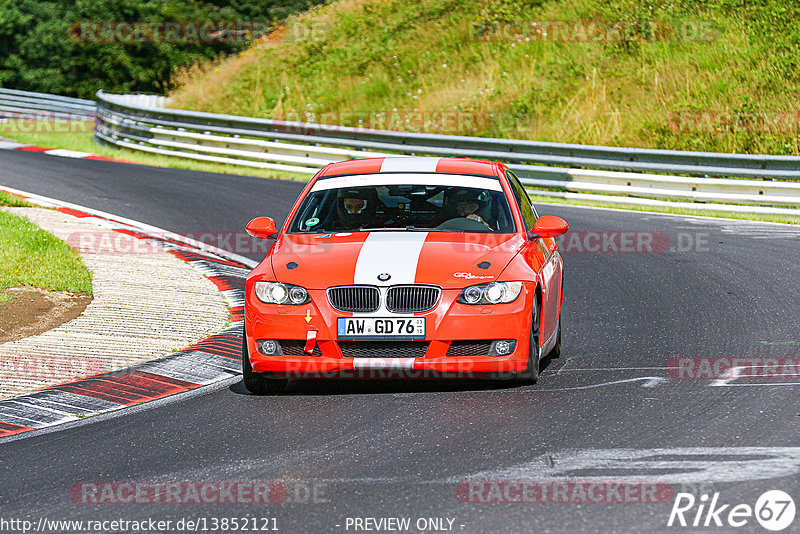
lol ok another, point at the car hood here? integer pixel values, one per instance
(449, 260)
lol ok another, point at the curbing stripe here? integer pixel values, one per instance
(225, 283)
(36, 413)
(9, 429)
(237, 314)
(15, 417)
(235, 297)
(197, 367)
(74, 213)
(64, 153)
(225, 348)
(10, 145)
(60, 152)
(215, 268)
(66, 402)
(107, 389)
(216, 358)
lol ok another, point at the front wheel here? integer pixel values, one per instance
(256, 382)
(555, 352)
(531, 373)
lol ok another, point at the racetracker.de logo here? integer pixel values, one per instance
(721, 368)
(211, 492)
(181, 32)
(593, 31)
(47, 122)
(601, 241)
(562, 492)
(123, 242)
(48, 367)
(414, 120)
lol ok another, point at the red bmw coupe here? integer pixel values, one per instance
(405, 267)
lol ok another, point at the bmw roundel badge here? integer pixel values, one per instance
(384, 277)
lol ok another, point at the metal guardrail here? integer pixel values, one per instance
(511, 150)
(25, 104)
(305, 147)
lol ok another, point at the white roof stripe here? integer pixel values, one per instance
(409, 164)
(360, 180)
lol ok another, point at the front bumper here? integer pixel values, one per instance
(449, 321)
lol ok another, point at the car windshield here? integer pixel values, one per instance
(401, 207)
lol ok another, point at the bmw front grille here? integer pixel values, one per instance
(411, 298)
(355, 298)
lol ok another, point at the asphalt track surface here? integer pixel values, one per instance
(401, 449)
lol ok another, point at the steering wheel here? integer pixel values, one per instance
(463, 224)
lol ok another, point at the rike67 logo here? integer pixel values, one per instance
(774, 510)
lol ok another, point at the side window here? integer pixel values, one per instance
(524, 203)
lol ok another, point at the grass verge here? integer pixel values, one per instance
(29, 256)
(717, 76)
(13, 201)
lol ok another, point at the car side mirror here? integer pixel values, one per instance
(549, 226)
(261, 227)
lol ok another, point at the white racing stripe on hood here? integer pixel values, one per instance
(395, 253)
(409, 164)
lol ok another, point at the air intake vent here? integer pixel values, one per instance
(297, 348)
(412, 298)
(469, 348)
(354, 298)
(383, 349)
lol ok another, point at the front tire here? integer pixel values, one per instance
(555, 352)
(256, 382)
(531, 373)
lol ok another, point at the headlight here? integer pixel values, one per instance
(493, 293)
(278, 293)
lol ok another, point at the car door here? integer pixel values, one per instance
(550, 275)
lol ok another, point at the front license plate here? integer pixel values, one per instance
(378, 327)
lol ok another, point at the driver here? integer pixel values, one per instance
(355, 208)
(467, 203)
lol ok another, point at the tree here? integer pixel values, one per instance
(75, 47)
